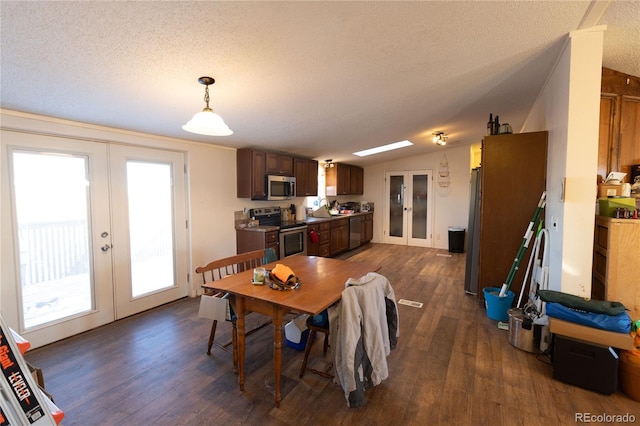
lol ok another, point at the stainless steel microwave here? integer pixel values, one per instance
(280, 187)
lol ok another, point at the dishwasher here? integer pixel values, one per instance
(354, 232)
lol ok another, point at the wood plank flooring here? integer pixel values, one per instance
(452, 366)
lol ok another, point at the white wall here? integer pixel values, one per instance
(451, 204)
(568, 107)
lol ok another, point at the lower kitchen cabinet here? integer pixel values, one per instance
(250, 240)
(616, 263)
(366, 228)
(322, 246)
(339, 235)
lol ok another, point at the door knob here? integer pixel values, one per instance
(105, 248)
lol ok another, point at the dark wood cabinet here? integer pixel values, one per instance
(366, 228)
(514, 169)
(618, 147)
(356, 180)
(251, 173)
(339, 235)
(250, 240)
(344, 179)
(279, 164)
(254, 165)
(306, 174)
(322, 246)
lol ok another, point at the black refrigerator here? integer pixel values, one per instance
(473, 242)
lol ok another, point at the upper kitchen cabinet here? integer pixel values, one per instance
(251, 171)
(279, 164)
(618, 147)
(344, 179)
(306, 174)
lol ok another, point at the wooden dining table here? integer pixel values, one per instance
(322, 281)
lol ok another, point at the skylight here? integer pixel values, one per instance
(383, 148)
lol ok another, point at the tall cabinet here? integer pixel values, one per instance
(514, 169)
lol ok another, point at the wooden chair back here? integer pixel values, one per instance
(218, 269)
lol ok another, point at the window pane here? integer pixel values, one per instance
(419, 211)
(396, 206)
(53, 236)
(150, 226)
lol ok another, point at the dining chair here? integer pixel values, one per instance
(219, 269)
(316, 324)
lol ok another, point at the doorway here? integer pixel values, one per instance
(408, 208)
(94, 232)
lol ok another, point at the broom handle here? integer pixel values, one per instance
(523, 246)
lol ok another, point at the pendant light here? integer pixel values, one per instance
(206, 122)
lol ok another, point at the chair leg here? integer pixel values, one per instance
(310, 339)
(326, 343)
(211, 336)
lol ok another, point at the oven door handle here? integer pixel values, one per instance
(296, 229)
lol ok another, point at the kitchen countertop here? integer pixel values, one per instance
(310, 220)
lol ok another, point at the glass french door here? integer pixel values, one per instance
(408, 209)
(65, 242)
(150, 233)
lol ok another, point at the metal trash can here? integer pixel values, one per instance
(456, 240)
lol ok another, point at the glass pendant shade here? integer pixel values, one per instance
(207, 122)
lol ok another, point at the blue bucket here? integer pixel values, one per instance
(497, 306)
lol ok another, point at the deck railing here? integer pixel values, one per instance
(53, 250)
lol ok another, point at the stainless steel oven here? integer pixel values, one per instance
(292, 236)
(293, 240)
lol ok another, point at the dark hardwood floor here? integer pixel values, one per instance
(452, 366)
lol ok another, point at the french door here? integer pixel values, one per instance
(408, 208)
(91, 232)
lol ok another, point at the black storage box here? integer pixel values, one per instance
(586, 365)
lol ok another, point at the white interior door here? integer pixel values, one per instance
(150, 227)
(408, 208)
(56, 279)
(91, 232)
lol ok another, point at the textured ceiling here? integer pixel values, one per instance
(320, 79)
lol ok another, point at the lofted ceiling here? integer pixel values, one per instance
(316, 79)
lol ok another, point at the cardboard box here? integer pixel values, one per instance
(591, 335)
(608, 206)
(605, 190)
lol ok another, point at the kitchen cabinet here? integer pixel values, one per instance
(322, 247)
(514, 169)
(339, 235)
(344, 179)
(306, 174)
(356, 180)
(256, 239)
(279, 164)
(366, 228)
(618, 147)
(616, 262)
(251, 172)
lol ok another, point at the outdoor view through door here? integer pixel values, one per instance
(92, 232)
(408, 211)
(53, 241)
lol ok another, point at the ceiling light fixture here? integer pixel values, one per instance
(440, 138)
(383, 148)
(206, 122)
(328, 163)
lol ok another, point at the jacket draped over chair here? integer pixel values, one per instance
(363, 330)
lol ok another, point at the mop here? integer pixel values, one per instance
(523, 246)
